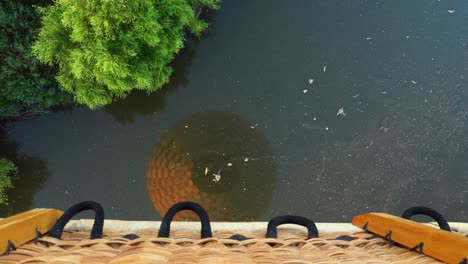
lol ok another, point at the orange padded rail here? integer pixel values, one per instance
(442, 245)
(21, 228)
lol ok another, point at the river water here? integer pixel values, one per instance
(250, 124)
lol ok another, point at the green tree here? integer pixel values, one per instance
(106, 48)
(26, 85)
(7, 170)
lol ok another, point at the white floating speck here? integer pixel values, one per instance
(311, 81)
(341, 112)
(186, 126)
(425, 99)
(451, 11)
(326, 128)
(355, 96)
(315, 118)
(384, 92)
(369, 38)
(407, 37)
(324, 68)
(216, 177)
(305, 91)
(229, 164)
(414, 82)
(246, 159)
(206, 170)
(245, 189)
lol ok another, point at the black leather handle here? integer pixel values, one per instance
(443, 224)
(165, 227)
(96, 231)
(312, 231)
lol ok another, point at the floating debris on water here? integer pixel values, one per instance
(311, 81)
(186, 126)
(451, 11)
(229, 164)
(414, 82)
(384, 92)
(324, 68)
(245, 189)
(368, 38)
(355, 96)
(305, 91)
(206, 170)
(341, 112)
(315, 118)
(217, 176)
(246, 159)
(326, 128)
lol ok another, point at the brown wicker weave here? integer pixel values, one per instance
(187, 247)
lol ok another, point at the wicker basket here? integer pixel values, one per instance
(187, 247)
(215, 243)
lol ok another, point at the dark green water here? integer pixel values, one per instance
(399, 70)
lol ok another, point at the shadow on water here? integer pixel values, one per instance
(216, 159)
(140, 103)
(209, 16)
(32, 174)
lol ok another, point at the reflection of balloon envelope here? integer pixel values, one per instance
(189, 157)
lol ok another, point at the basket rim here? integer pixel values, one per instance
(112, 225)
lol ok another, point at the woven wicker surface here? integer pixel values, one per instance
(187, 247)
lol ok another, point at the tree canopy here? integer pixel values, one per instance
(26, 84)
(106, 48)
(7, 170)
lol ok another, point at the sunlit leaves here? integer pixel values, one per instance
(106, 48)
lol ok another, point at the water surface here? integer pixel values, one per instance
(398, 69)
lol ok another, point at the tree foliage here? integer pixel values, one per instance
(25, 83)
(7, 170)
(106, 48)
